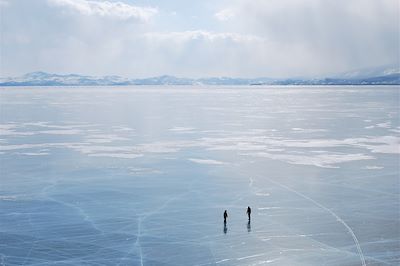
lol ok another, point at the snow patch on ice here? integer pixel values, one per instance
(384, 125)
(105, 138)
(117, 155)
(34, 153)
(141, 171)
(323, 160)
(308, 130)
(60, 132)
(373, 167)
(206, 161)
(8, 198)
(261, 194)
(182, 129)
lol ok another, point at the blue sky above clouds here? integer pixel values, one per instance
(271, 38)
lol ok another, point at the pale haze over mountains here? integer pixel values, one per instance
(388, 75)
(195, 39)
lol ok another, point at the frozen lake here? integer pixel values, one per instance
(142, 175)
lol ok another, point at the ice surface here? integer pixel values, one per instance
(141, 176)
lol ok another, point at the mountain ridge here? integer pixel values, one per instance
(390, 76)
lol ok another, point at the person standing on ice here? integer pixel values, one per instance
(225, 216)
(248, 211)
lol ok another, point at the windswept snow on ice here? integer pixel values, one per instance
(130, 176)
(205, 161)
(94, 141)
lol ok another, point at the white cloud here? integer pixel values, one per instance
(202, 53)
(315, 32)
(225, 14)
(108, 9)
(3, 3)
(250, 39)
(202, 35)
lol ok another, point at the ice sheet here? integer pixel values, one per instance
(141, 176)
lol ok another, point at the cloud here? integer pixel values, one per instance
(315, 32)
(117, 10)
(199, 53)
(225, 14)
(201, 35)
(3, 3)
(236, 38)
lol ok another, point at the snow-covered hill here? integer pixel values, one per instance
(387, 76)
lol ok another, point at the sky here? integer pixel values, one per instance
(199, 38)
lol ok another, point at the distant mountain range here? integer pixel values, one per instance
(376, 76)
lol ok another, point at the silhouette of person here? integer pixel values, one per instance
(225, 216)
(248, 211)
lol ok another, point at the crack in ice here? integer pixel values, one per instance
(340, 220)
